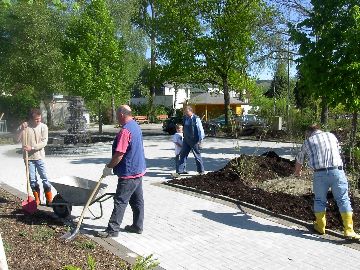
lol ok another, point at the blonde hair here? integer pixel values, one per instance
(179, 126)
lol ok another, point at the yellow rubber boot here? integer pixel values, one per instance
(320, 223)
(348, 226)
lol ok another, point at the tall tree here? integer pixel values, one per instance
(30, 50)
(279, 84)
(220, 35)
(333, 46)
(123, 13)
(147, 21)
(329, 49)
(93, 55)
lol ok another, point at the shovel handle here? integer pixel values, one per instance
(25, 140)
(88, 202)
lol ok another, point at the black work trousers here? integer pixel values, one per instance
(127, 191)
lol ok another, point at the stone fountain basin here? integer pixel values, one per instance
(58, 146)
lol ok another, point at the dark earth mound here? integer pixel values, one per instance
(239, 179)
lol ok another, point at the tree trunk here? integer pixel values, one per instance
(113, 110)
(176, 89)
(49, 114)
(100, 118)
(274, 99)
(151, 104)
(226, 100)
(324, 111)
(353, 134)
(152, 64)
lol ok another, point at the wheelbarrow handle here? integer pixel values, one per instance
(84, 209)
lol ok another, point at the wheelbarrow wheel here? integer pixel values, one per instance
(59, 207)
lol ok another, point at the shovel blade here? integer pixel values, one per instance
(69, 236)
(29, 206)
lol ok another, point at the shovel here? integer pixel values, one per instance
(71, 235)
(29, 206)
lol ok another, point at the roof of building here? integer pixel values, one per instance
(213, 99)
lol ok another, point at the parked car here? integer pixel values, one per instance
(169, 125)
(218, 121)
(212, 126)
(249, 121)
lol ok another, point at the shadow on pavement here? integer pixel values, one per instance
(163, 166)
(244, 221)
(91, 161)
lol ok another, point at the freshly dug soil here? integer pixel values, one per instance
(32, 241)
(243, 177)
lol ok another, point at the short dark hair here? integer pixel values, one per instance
(313, 127)
(34, 112)
(189, 108)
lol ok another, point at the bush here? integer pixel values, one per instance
(141, 109)
(161, 109)
(17, 106)
(299, 120)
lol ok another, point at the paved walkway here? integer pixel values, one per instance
(187, 232)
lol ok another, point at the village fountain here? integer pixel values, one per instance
(78, 140)
(76, 123)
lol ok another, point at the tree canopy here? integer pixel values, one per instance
(216, 38)
(93, 54)
(30, 51)
(329, 49)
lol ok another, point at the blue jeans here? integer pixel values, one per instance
(127, 191)
(38, 166)
(185, 150)
(336, 180)
(177, 159)
(177, 163)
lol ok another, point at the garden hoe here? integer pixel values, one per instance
(71, 235)
(29, 206)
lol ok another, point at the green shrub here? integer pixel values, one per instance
(145, 263)
(161, 109)
(141, 263)
(43, 234)
(91, 265)
(17, 106)
(7, 247)
(141, 109)
(85, 244)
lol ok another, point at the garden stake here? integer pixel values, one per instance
(71, 235)
(29, 206)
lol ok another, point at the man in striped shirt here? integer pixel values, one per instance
(323, 152)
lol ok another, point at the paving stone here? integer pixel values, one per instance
(188, 232)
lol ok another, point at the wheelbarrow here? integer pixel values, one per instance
(75, 191)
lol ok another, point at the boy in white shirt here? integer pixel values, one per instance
(178, 141)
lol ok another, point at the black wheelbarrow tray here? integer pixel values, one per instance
(75, 191)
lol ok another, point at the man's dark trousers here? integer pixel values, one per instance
(185, 150)
(127, 191)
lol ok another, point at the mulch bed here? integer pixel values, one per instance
(32, 241)
(239, 179)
